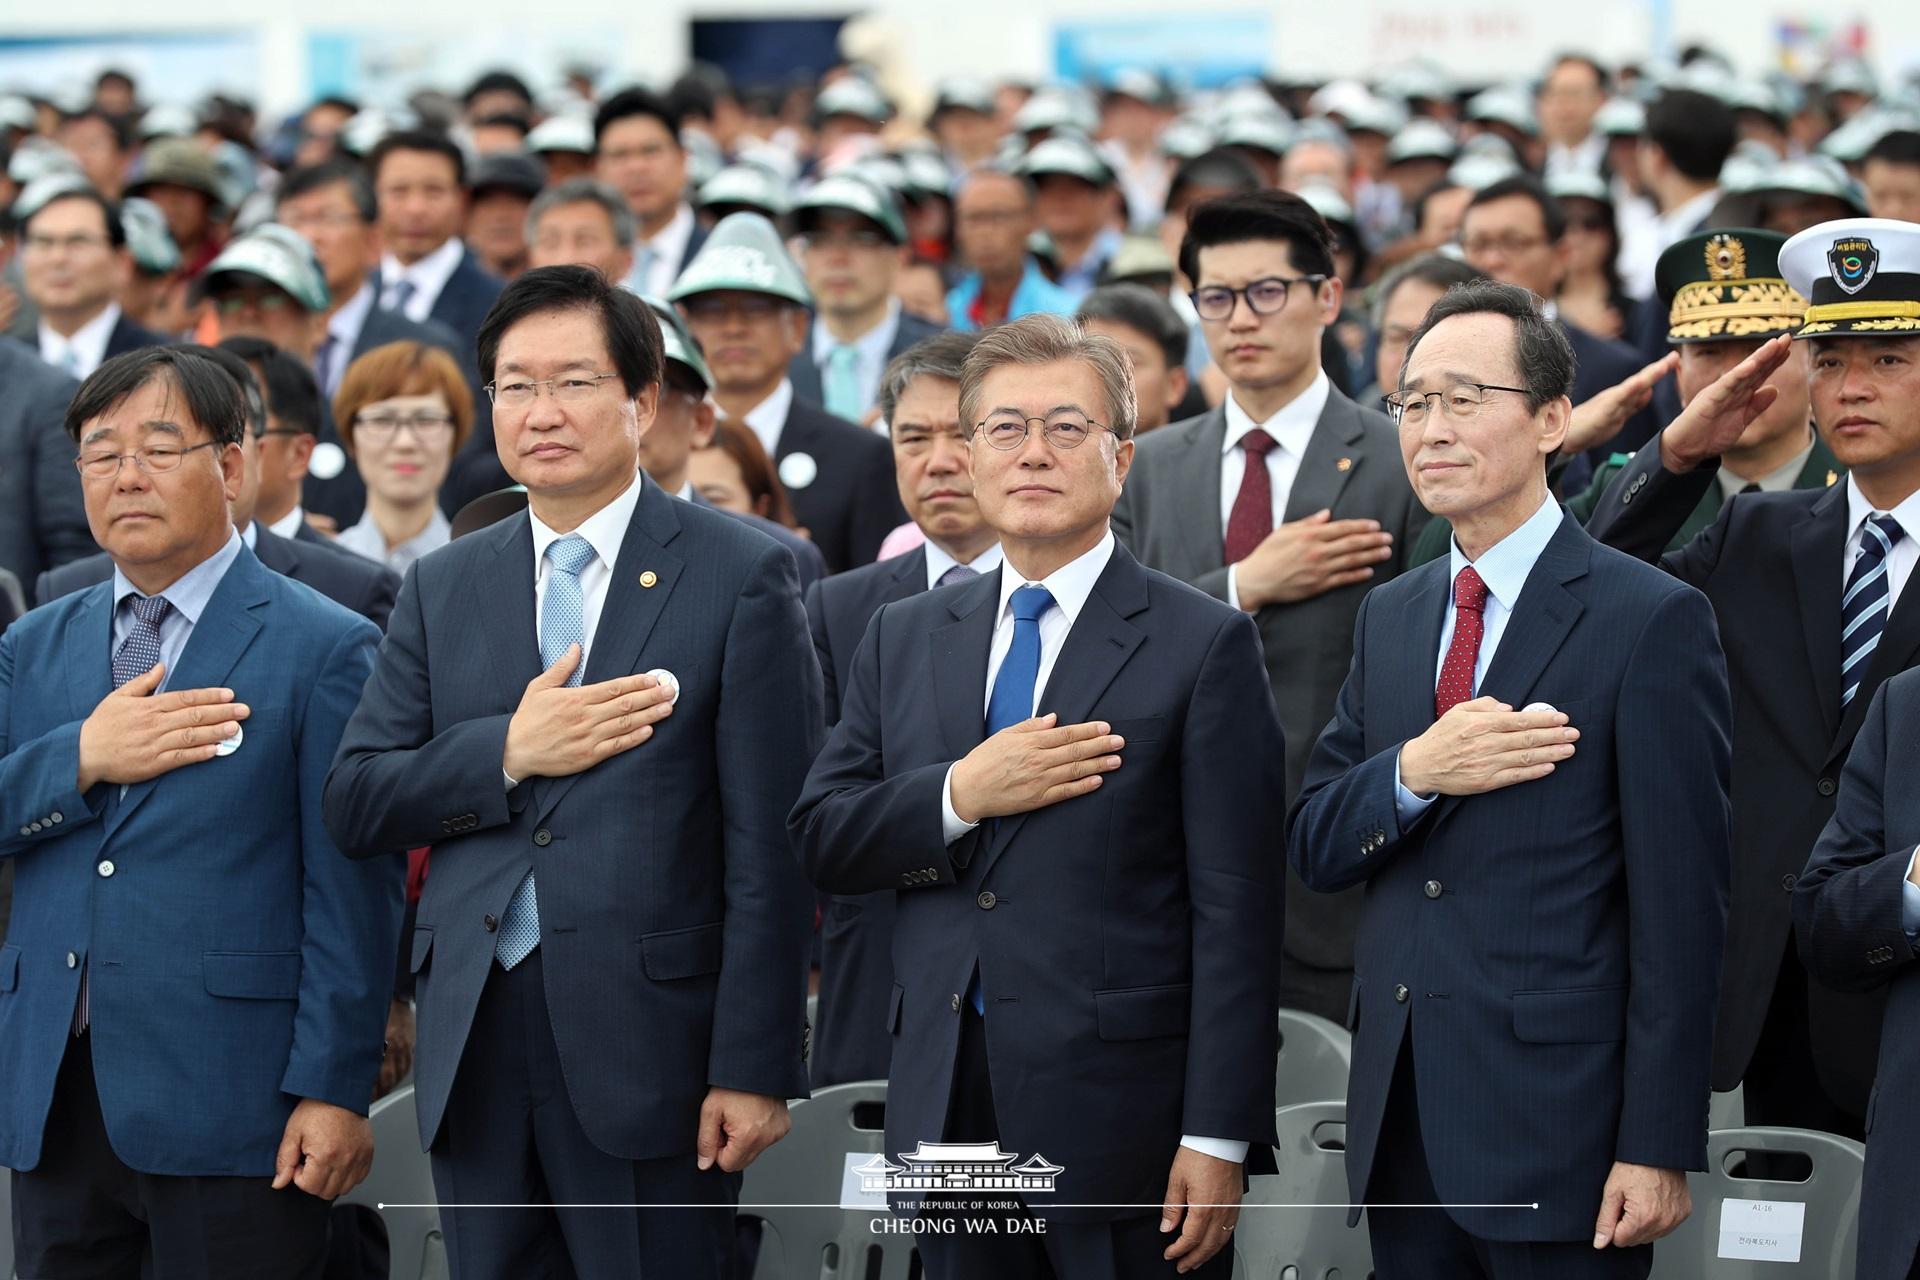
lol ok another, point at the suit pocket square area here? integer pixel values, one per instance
(1143, 1013)
(252, 975)
(1581, 1015)
(681, 953)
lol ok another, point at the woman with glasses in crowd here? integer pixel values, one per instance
(404, 410)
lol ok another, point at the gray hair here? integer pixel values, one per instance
(1435, 269)
(626, 227)
(1541, 351)
(941, 356)
(1048, 339)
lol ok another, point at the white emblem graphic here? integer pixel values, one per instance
(959, 1166)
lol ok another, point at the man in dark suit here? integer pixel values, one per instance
(1856, 914)
(196, 979)
(611, 885)
(853, 242)
(1089, 913)
(1288, 501)
(1527, 769)
(43, 517)
(354, 582)
(920, 402)
(1515, 232)
(746, 302)
(638, 153)
(74, 262)
(1782, 570)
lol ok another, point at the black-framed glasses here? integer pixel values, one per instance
(1264, 296)
(1460, 401)
(524, 391)
(154, 460)
(1064, 430)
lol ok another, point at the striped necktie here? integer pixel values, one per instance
(1863, 609)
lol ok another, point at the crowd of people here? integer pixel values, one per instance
(512, 592)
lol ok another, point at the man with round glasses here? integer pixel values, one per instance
(1288, 501)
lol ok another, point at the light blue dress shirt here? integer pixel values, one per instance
(1504, 568)
(188, 596)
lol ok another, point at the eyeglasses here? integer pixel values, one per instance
(154, 460)
(710, 309)
(1064, 430)
(524, 391)
(232, 304)
(1460, 401)
(1507, 246)
(378, 428)
(1264, 297)
(72, 244)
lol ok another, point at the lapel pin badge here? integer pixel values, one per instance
(648, 578)
(670, 681)
(798, 470)
(1831, 477)
(227, 746)
(1345, 464)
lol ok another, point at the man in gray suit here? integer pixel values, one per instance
(1288, 501)
(43, 521)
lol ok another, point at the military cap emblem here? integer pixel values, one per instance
(1726, 258)
(1852, 263)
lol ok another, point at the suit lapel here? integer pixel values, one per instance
(1335, 450)
(1407, 690)
(89, 651)
(1894, 653)
(503, 608)
(1099, 643)
(1816, 545)
(1196, 485)
(959, 652)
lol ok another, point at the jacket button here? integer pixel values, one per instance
(73, 961)
(1825, 786)
(1433, 888)
(490, 922)
(956, 1004)
(105, 868)
(35, 828)
(986, 900)
(55, 818)
(26, 831)
(543, 837)
(1788, 880)
(1400, 994)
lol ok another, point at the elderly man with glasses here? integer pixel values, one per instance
(1287, 501)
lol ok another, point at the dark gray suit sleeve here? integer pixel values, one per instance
(823, 650)
(59, 508)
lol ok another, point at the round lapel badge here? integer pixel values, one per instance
(227, 746)
(670, 681)
(328, 461)
(798, 470)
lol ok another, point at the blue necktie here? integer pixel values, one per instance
(1013, 693)
(843, 383)
(1863, 610)
(141, 647)
(562, 623)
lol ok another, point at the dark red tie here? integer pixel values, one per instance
(1456, 673)
(1251, 519)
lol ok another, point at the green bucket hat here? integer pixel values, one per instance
(748, 186)
(280, 256)
(678, 341)
(851, 195)
(744, 253)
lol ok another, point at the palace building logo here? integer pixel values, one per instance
(958, 1167)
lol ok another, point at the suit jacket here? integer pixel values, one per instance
(850, 1040)
(43, 518)
(13, 601)
(806, 375)
(673, 917)
(1847, 916)
(1127, 940)
(1772, 566)
(236, 962)
(1169, 516)
(354, 582)
(853, 502)
(128, 336)
(1551, 948)
(812, 566)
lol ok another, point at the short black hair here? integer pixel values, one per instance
(428, 140)
(1900, 146)
(1581, 59)
(118, 125)
(314, 177)
(636, 102)
(499, 82)
(510, 119)
(697, 94)
(293, 394)
(628, 324)
(1553, 215)
(249, 385)
(1141, 309)
(1541, 351)
(1696, 130)
(213, 398)
(1217, 168)
(348, 105)
(1259, 215)
(1438, 270)
(116, 229)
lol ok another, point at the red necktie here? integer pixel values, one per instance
(1251, 519)
(1456, 673)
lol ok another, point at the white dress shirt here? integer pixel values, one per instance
(1779, 480)
(343, 328)
(938, 562)
(1905, 553)
(1583, 157)
(366, 539)
(1070, 585)
(769, 418)
(428, 276)
(656, 262)
(288, 525)
(1291, 428)
(869, 354)
(1504, 568)
(86, 350)
(1640, 255)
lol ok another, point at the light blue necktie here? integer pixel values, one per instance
(562, 623)
(1863, 610)
(1013, 692)
(403, 293)
(843, 384)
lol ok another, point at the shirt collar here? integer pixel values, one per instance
(1858, 509)
(875, 341)
(1505, 565)
(769, 418)
(938, 562)
(671, 240)
(430, 274)
(251, 534)
(1682, 217)
(89, 341)
(288, 525)
(1291, 427)
(1069, 585)
(605, 529)
(191, 591)
(344, 325)
(1779, 480)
